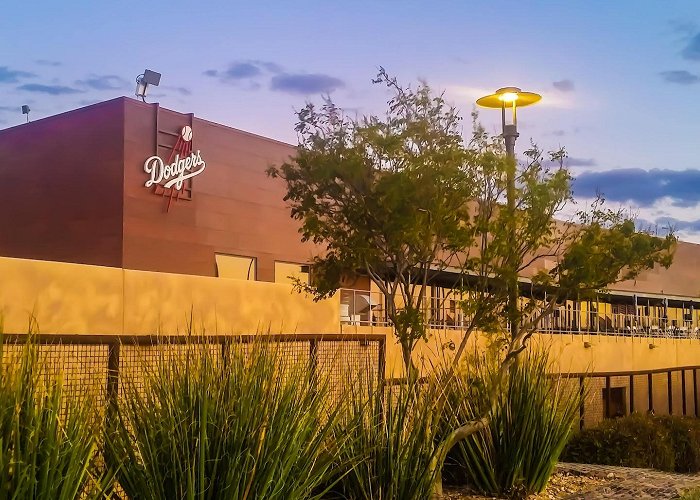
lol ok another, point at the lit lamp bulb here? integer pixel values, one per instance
(508, 97)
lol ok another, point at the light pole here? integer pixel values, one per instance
(510, 97)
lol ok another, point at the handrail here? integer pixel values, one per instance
(143, 339)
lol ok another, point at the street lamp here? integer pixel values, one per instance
(512, 98)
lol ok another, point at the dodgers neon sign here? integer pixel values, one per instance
(183, 164)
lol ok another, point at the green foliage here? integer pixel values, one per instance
(684, 433)
(669, 443)
(693, 494)
(402, 196)
(606, 249)
(383, 196)
(252, 427)
(530, 423)
(48, 442)
(388, 442)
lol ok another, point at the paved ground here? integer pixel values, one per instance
(624, 483)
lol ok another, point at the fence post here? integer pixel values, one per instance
(381, 362)
(313, 362)
(631, 394)
(608, 390)
(112, 380)
(683, 391)
(695, 390)
(381, 377)
(670, 392)
(650, 384)
(225, 352)
(581, 408)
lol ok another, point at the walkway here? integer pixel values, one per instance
(627, 483)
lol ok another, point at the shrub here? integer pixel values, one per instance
(633, 441)
(48, 443)
(684, 433)
(250, 427)
(387, 441)
(530, 424)
(668, 443)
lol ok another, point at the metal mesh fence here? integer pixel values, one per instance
(105, 367)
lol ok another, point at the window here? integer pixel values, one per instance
(232, 266)
(286, 272)
(617, 406)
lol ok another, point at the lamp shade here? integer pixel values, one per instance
(506, 96)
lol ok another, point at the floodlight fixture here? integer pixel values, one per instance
(145, 79)
(25, 111)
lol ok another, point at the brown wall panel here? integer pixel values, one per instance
(61, 193)
(235, 208)
(74, 191)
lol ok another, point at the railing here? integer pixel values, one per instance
(367, 308)
(99, 365)
(667, 391)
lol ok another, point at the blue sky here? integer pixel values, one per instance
(620, 79)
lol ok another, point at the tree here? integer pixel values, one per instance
(600, 248)
(385, 197)
(401, 198)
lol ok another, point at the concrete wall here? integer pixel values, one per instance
(74, 298)
(569, 351)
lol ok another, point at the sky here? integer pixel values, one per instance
(620, 79)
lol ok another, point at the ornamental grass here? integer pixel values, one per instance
(530, 423)
(48, 443)
(250, 426)
(386, 439)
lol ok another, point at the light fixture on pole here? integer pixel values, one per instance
(144, 80)
(25, 111)
(511, 98)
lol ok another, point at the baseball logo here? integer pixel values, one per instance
(187, 133)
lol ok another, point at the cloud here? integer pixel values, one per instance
(680, 77)
(10, 109)
(8, 75)
(692, 49)
(680, 225)
(683, 27)
(641, 187)
(572, 161)
(104, 82)
(180, 90)
(558, 133)
(250, 73)
(237, 71)
(243, 70)
(47, 62)
(48, 89)
(305, 84)
(564, 85)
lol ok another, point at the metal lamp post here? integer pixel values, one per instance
(510, 98)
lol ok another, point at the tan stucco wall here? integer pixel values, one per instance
(74, 298)
(568, 351)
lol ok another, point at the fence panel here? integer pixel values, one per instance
(101, 366)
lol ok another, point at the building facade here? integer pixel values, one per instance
(131, 185)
